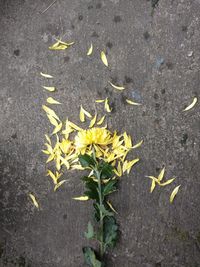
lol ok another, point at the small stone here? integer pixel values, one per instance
(190, 53)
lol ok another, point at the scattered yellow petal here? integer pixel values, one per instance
(64, 43)
(48, 139)
(90, 50)
(57, 128)
(49, 88)
(59, 184)
(93, 121)
(52, 120)
(46, 75)
(50, 112)
(84, 113)
(51, 100)
(161, 175)
(46, 152)
(138, 144)
(101, 120)
(111, 207)
(174, 192)
(107, 107)
(153, 185)
(100, 100)
(34, 200)
(130, 164)
(104, 58)
(191, 105)
(60, 45)
(53, 176)
(132, 102)
(127, 140)
(81, 198)
(50, 158)
(77, 167)
(74, 126)
(167, 182)
(65, 162)
(117, 87)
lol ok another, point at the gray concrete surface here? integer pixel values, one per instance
(148, 54)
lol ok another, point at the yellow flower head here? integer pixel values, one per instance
(94, 136)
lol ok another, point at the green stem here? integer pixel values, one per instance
(101, 214)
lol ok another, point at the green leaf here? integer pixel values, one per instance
(90, 257)
(92, 192)
(86, 161)
(109, 187)
(90, 231)
(96, 212)
(110, 231)
(106, 170)
(104, 211)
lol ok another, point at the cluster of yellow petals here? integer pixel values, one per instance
(73, 141)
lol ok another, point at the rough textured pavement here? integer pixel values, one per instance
(156, 56)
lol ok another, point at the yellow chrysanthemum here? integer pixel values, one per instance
(94, 136)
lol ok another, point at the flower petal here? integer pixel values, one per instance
(90, 50)
(174, 192)
(191, 105)
(49, 88)
(46, 75)
(81, 198)
(34, 200)
(104, 58)
(51, 100)
(132, 102)
(120, 88)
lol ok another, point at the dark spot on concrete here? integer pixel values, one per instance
(80, 17)
(157, 106)
(144, 113)
(155, 96)
(146, 35)
(65, 216)
(114, 79)
(22, 261)
(154, 3)
(127, 79)
(72, 25)
(82, 78)
(117, 19)
(157, 121)
(181, 234)
(1, 250)
(163, 91)
(184, 28)
(66, 59)
(94, 34)
(112, 106)
(14, 136)
(16, 52)
(184, 139)
(170, 65)
(90, 7)
(99, 5)
(99, 93)
(158, 264)
(157, 169)
(198, 237)
(123, 98)
(109, 45)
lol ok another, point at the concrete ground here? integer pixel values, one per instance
(156, 55)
